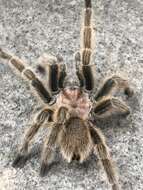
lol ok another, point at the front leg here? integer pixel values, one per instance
(110, 106)
(35, 82)
(85, 73)
(22, 156)
(112, 85)
(54, 70)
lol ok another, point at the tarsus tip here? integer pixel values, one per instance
(4, 55)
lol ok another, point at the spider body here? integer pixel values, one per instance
(69, 105)
(75, 140)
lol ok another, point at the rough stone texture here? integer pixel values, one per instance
(29, 28)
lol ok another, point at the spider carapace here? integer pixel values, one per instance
(70, 104)
(78, 102)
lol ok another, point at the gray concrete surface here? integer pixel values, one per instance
(28, 29)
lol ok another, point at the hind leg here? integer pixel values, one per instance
(22, 155)
(104, 156)
(48, 148)
(51, 141)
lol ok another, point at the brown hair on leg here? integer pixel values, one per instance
(104, 156)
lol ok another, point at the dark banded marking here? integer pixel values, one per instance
(41, 90)
(53, 77)
(88, 76)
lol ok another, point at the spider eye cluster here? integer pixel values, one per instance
(71, 83)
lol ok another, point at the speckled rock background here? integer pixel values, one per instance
(29, 28)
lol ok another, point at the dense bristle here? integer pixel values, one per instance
(87, 37)
(86, 54)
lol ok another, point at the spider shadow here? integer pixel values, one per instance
(32, 157)
(58, 164)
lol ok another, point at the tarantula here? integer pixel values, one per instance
(69, 104)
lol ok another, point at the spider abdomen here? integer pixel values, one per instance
(75, 140)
